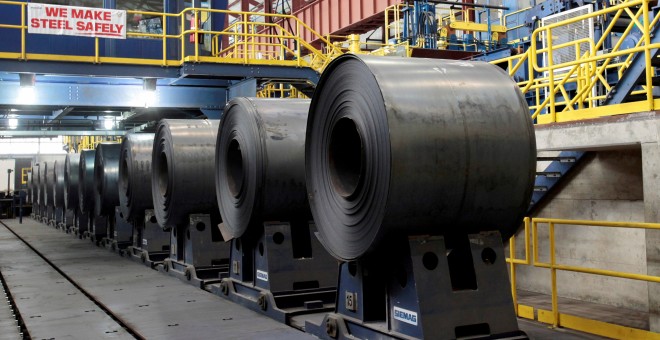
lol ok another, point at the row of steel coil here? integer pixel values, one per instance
(387, 148)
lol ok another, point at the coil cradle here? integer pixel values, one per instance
(150, 244)
(118, 232)
(277, 266)
(184, 200)
(397, 150)
(71, 182)
(86, 193)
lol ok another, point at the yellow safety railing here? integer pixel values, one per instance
(252, 42)
(554, 316)
(587, 72)
(80, 143)
(280, 90)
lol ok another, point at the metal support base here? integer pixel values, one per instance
(198, 254)
(428, 287)
(98, 229)
(282, 272)
(119, 232)
(81, 224)
(151, 259)
(197, 276)
(151, 244)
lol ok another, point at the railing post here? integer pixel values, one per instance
(164, 20)
(298, 56)
(553, 274)
(197, 24)
(245, 46)
(647, 54)
(23, 29)
(551, 77)
(96, 50)
(512, 256)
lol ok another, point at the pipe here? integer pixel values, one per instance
(106, 176)
(411, 146)
(135, 175)
(71, 181)
(182, 170)
(260, 163)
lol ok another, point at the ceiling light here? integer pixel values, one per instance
(26, 95)
(108, 123)
(149, 91)
(13, 122)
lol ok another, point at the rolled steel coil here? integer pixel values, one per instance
(183, 170)
(86, 181)
(29, 187)
(71, 180)
(33, 183)
(260, 163)
(37, 184)
(47, 183)
(58, 183)
(408, 146)
(135, 175)
(106, 177)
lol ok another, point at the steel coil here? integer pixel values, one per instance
(86, 181)
(135, 175)
(106, 177)
(183, 170)
(37, 185)
(47, 183)
(260, 163)
(407, 146)
(58, 183)
(33, 183)
(71, 170)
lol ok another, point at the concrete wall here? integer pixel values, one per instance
(606, 186)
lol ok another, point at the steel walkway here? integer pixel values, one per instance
(65, 287)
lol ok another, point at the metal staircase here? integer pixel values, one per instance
(547, 179)
(631, 79)
(634, 75)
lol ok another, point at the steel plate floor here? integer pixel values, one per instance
(146, 302)
(65, 287)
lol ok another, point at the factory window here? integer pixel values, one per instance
(143, 22)
(28, 146)
(79, 3)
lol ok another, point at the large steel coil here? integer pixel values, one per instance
(135, 175)
(47, 183)
(260, 163)
(86, 181)
(106, 177)
(37, 184)
(183, 170)
(33, 184)
(399, 146)
(71, 170)
(58, 183)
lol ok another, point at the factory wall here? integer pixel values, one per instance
(606, 186)
(7, 164)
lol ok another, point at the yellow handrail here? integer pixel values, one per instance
(254, 40)
(554, 316)
(547, 78)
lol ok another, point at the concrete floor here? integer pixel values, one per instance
(67, 274)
